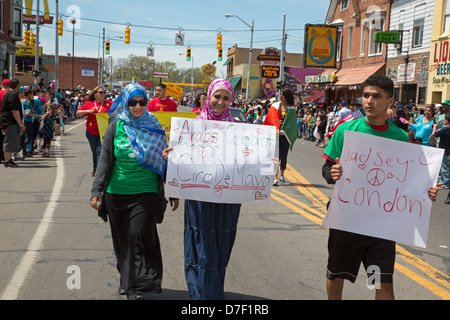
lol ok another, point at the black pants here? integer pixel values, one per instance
(135, 241)
(2, 157)
(284, 149)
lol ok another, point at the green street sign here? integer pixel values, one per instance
(387, 37)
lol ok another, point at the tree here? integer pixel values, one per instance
(142, 68)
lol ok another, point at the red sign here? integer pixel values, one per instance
(32, 19)
(146, 83)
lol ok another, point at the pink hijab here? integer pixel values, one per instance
(207, 112)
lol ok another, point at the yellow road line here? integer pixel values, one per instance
(298, 210)
(301, 204)
(434, 273)
(440, 292)
(314, 195)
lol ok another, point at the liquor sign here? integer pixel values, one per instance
(320, 46)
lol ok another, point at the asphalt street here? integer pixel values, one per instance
(54, 247)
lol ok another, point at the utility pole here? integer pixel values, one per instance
(36, 54)
(103, 59)
(56, 51)
(283, 48)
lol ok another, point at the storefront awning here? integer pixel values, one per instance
(234, 81)
(356, 75)
(352, 76)
(228, 61)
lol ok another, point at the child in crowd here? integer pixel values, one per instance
(48, 128)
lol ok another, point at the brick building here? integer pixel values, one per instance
(358, 55)
(10, 32)
(85, 70)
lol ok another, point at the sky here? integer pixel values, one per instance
(157, 23)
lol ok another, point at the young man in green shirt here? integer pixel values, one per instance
(346, 249)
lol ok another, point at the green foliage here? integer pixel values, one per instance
(142, 68)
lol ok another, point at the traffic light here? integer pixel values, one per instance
(280, 85)
(60, 27)
(220, 55)
(26, 37)
(32, 39)
(188, 54)
(107, 47)
(127, 35)
(219, 41)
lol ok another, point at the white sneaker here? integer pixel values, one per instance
(275, 182)
(282, 178)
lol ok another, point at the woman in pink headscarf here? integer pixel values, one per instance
(210, 228)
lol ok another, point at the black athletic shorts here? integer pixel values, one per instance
(347, 250)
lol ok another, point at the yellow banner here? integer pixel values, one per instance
(102, 122)
(27, 51)
(174, 91)
(164, 119)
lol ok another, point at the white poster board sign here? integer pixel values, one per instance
(222, 162)
(383, 191)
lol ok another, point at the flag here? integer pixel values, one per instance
(289, 126)
(346, 119)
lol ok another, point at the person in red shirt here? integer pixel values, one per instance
(96, 103)
(162, 102)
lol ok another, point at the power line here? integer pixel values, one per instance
(167, 28)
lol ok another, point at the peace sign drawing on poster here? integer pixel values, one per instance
(383, 191)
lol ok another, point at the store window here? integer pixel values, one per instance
(446, 22)
(419, 22)
(376, 47)
(344, 5)
(17, 22)
(422, 95)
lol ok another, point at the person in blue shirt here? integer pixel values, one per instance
(424, 126)
(28, 112)
(38, 112)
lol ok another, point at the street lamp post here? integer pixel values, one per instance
(73, 21)
(247, 92)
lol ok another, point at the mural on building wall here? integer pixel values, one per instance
(294, 76)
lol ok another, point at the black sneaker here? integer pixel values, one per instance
(10, 164)
(447, 201)
(93, 173)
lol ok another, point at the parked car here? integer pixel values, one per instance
(238, 115)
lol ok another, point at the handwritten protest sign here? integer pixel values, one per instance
(383, 191)
(222, 162)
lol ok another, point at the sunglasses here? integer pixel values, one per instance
(101, 92)
(133, 103)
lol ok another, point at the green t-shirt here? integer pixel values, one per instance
(128, 176)
(334, 148)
